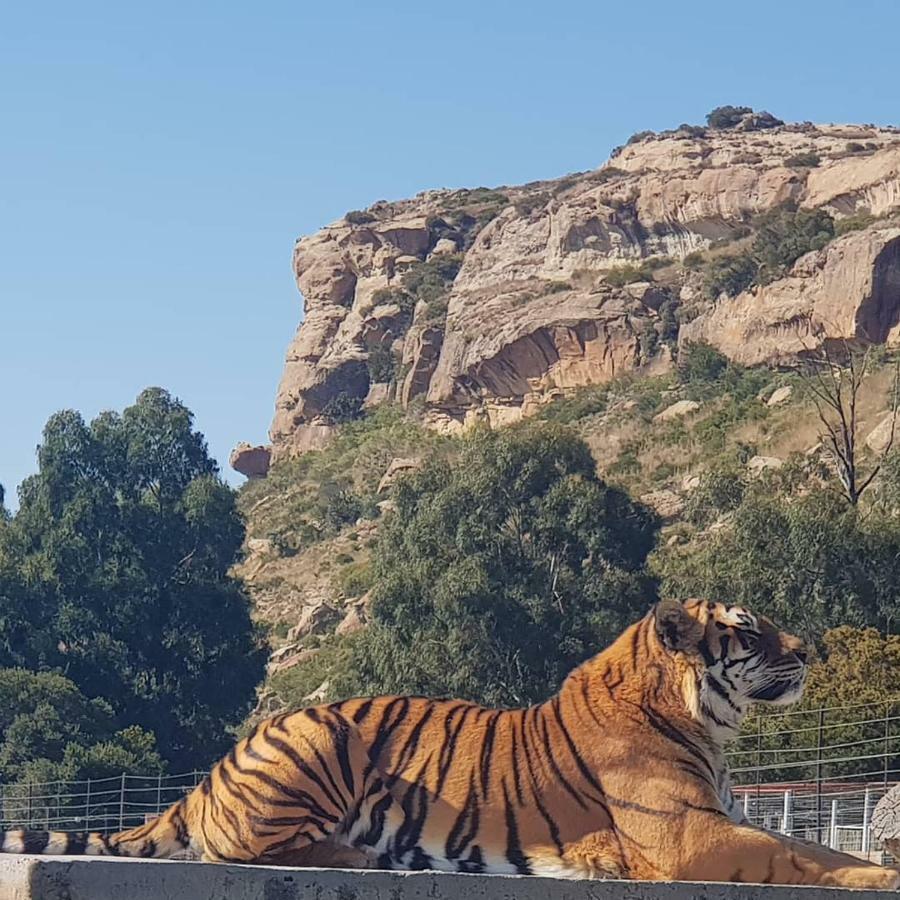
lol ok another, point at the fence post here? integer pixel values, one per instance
(832, 837)
(747, 805)
(867, 813)
(887, 731)
(87, 806)
(159, 793)
(786, 823)
(758, 758)
(819, 776)
(122, 805)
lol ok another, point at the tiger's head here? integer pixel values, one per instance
(734, 658)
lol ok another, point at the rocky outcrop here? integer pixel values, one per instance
(850, 290)
(250, 461)
(540, 300)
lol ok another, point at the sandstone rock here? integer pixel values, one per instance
(352, 622)
(760, 463)
(261, 546)
(780, 395)
(690, 482)
(397, 467)
(530, 311)
(320, 694)
(444, 245)
(886, 821)
(879, 437)
(313, 620)
(281, 661)
(378, 393)
(667, 504)
(848, 290)
(250, 461)
(677, 410)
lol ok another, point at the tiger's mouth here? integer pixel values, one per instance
(782, 692)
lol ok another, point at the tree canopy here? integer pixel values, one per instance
(502, 570)
(115, 571)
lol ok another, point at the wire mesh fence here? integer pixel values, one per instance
(817, 774)
(814, 774)
(102, 804)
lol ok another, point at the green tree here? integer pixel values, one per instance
(726, 116)
(810, 561)
(49, 728)
(783, 235)
(123, 541)
(501, 571)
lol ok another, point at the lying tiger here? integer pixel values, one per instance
(620, 775)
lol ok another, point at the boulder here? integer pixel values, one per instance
(353, 621)
(251, 462)
(760, 463)
(677, 410)
(878, 439)
(780, 395)
(313, 620)
(397, 467)
(665, 503)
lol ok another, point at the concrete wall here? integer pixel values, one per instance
(49, 878)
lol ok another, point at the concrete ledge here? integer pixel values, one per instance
(73, 878)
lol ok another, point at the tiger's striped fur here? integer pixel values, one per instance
(621, 774)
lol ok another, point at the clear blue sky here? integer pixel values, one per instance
(157, 160)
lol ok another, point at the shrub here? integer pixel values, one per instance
(701, 362)
(720, 491)
(726, 116)
(729, 275)
(693, 260)
(381, 363)
(784, 235)
(342, 407)
(803, 161)
(629, 274)
(856, 222)
(359, 217)
(639, 136)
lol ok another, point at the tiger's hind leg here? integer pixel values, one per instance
(298, 780)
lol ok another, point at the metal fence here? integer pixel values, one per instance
(100, 804)
(815, 774)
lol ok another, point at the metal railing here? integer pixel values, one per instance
(815, 774)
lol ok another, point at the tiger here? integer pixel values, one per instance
(621, 774)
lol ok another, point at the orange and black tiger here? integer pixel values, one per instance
(621, 774)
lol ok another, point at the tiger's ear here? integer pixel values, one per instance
(676, 628)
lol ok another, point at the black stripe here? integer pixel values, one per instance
(576, 795)
(514, 755)
(76, 843)
(668, 731)
(513, 847)
(363, 711)
(35, 841)
(582, 767)
(465, 828)
(303, 766)
(448, 751)
(487, 747)
(410, 747)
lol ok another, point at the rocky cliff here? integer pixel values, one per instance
(484, 304)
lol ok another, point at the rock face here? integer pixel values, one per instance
(252, 462)
(536, 299)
